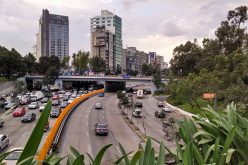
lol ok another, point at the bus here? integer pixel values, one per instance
(140, 94)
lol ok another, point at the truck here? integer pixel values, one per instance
(38, 95)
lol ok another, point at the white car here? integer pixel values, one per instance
(13, 157)
(4, 141)
(33, 105)
(137, 113)
(61, 95)
(42, 107)
(166, 109)
(70, 100)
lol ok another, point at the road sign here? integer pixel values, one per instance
(209, 95)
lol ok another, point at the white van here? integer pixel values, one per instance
(140, 94)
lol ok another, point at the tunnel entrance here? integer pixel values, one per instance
(114, 86)
(82, 85)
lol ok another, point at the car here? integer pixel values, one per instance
(66, 98)
(42, 107)
(10, 106)
(19, 96)
(62, 92)
(8, 101)
(63, 104)
(13, 156)
(70, 100)
(147, 91)
(56, 102)
(125, 76)
(135, 92)
(68, 94)
(101, 94)
(33, 105)
(46, 126)
(98, 105)
(2, 104)
(160, 104)
(1, 122)
(55, 112)
(61, 95)
(28, 117)
(78, 95)
(129, 95)
(19, 112)
(139, 104)
(33, 99)
(101, 129)
(44, 100)
(137, 113)
(167, 109)
(55, 97)
(25, 100)
(74, 95)
(159, 114)
(4, 141)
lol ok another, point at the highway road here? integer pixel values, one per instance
(79, 131)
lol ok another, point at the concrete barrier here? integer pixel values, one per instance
(56, 127)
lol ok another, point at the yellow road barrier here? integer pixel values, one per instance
(50, 137)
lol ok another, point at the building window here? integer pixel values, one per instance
(103, 21)
(108, 24)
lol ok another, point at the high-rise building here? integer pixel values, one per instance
(152, 57)
(160, 62)
(113, 24)
(124, 59)
(53, 35)
(102, 45)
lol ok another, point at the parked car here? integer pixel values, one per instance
(28, 117)
(10, 106)
(137, 113)
(56, 102)
(42, 107)
(44, 100)
(55, 112)
(160, 104)
(33, 105)
(98, 105)
(101, 95)
(101, 129)
(63, 104)
(55, 97)
(4, 141)
(13, 156)
(1, 122)
(139, 104)
(19, 112)
(166, 109)
(159, 114)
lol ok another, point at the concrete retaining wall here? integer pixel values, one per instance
(8, 87)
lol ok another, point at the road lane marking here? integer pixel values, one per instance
(118, 149)
(89, 150)
(87, 133)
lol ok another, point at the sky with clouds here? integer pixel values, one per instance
(149, 25)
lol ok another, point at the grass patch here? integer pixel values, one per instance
(3, 79)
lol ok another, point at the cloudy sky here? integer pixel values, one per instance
(149, 25)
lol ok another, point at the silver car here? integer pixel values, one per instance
(98, 106)
(4, 141)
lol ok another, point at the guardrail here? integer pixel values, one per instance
(57, 128)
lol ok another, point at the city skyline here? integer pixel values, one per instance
(160, 34)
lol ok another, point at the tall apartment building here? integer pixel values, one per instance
(152, 57)
(102, 42)
(160, 62)
(113, 24)
(124, 61)
(53, 36)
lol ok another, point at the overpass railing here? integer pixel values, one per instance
(56, 130)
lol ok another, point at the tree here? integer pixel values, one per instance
(118, 70)
(19, 87)
(97, 64)
(51, 75)
(30, 61)
(157, 80)
(65, 62)
(83, 60)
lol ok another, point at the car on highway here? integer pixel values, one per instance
(8, 101)
(129, 95)
(167, 109)
(66, 98)
(19, 112)
(28, 117)
(137, 113)
(44, 100)
(159, 114)
(10, 106)
(125, 76)
(160, 104)
(13, 156)
(98, 105)
(74, 95)
(63, 104)
(139, 104)
(25, 100)
(4, 141)
(42, 107)
(101, 129)
(55, 97)
(68, 94)
(135, 92)
(46, 126)
(1, 122)
(78, 95)
(61, 95)
(19, 96)
(56, 102)
(101, 94)
(147, 91)
(33, 105)
(70, 100)
(55, 112)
